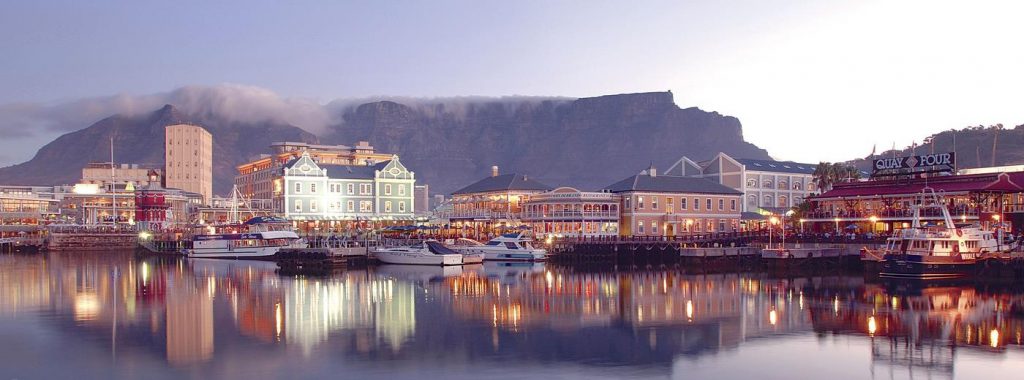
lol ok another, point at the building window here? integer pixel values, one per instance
(654, 228)
(387, 189)
(640, 202)
(721, 204)
(351, 206)
(696, 204)
(798, 186)
(782, 201)
(769, 201)
(365, 206)
(401, 190)
(721, 225)
(298, 205)
(640, 227)
(783, 185)
(298, 187)
(312, 205)
(732, 204)
(365, 188)
(312, 188)
(752, 200)
(670, 204)
(627, 204)
(708, 204)
(768, 184)
(401, 206)
(350, 189)
(682, 203)
(387, 206)
(654, 203)
(752, 182)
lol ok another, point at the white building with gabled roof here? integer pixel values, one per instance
(766, 184)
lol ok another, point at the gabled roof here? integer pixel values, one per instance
(777, 166)
(353, 171)
(504, 182)
(671, 184)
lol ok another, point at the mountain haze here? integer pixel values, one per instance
(973, 146)
(588, 142)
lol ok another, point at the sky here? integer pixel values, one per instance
(809, 80)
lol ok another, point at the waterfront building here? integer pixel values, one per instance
(494, 203)
(883, 205)
(24, 208)
(666, 205)
(105, 173)
(767, 185)
(221, 211)
(256, 179)
(566, 211)
(188, 159)
(312, 191)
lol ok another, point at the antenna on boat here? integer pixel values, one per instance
(113, 183)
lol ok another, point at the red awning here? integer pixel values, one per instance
(1002, 182)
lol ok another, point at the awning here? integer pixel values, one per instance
(752, 216)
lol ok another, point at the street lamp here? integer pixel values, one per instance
(873, 219)
(787, 213)
(771, 227)
(837, 225)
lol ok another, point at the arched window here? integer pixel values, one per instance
(783, 185)
(769, 200)
(752, 182)
(752, 200)
(768, 184)
(782, 201)
(797, 186)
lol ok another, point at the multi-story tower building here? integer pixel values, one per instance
(188, 159)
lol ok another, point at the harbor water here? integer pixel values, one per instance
(120, 315)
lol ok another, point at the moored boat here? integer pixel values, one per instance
(265, 236)
(430, 252)
(508, 247)
(940, 251)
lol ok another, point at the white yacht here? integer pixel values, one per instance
(508, 247)
(429, 252)
(941, 251)
(264, 236)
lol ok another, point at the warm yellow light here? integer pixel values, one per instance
(895, 303)
(144, 235)
(689, 309)
(872, 325)
(873, 219)
(995, 217)
(774, 220)
(87, 306)
(277, 319)
(773, 317)
(993, 338)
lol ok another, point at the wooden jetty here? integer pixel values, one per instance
(319, 261)
(26, 244)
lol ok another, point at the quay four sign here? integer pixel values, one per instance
(945, 161)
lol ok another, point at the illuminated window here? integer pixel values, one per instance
(351, 206)
(654, 203)
(387, 206)
(401, 206)
(640, 227)
(298, 205)
(640, 202)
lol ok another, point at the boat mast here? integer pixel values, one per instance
(234, 205)
(113, 184)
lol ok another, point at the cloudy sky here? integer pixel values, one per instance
(858, 73)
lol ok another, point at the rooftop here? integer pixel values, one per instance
(1002, 182)
(670, 184)
(504, 182)
(777, 166)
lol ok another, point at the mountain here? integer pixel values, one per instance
(974, 146)
(587, 143)
(140, 139)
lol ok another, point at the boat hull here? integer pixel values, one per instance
(414, 258)
(258, 253)
(504, 255)
(926, 270)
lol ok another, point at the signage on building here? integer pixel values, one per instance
(927, 163)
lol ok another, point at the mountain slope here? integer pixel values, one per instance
(974, 146)
(140, 139)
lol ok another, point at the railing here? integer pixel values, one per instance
(955, 212)
(572, 214)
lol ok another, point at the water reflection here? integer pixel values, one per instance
(215, 317)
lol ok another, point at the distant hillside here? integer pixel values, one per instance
(141, 140)
(589, 143)
(973, 148)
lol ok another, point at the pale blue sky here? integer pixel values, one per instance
(892, 71)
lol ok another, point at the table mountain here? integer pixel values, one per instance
(588, 143)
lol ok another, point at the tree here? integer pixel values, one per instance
(827, 174)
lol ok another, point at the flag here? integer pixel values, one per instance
(872, 155)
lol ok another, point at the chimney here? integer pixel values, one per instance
(652, 171)
(494, 171)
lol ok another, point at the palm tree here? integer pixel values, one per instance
(827, 174)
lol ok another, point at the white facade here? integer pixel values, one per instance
(310, 191)
(765, 184)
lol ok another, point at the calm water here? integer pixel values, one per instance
(117, 315)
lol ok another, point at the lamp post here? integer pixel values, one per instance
(771, 227)
(874, 220)
(801, 225)
(837, 225)
(787, 213)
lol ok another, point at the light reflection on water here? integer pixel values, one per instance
(121, 315)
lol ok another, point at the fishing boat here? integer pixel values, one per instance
(933, 251)
(507, 247)
(429, 252)
(263, 238)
